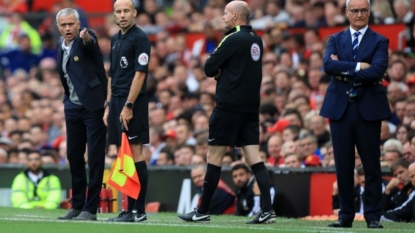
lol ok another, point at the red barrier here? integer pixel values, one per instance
(321, 186)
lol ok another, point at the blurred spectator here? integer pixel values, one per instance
(292, 161)
(17, 27)
(392, 155)
(398, 111)
(223, 199)
(244, 183)
(185, 153)
(35, 187)
(398, 203)
(165, 157)
(382, 12)
(227, 160)
(307, 147)
(3, 156)
(318, 128)
(392, 144)
(184, 135)
(20, 57)
(288, 147)
(407, 152)
(274, 147)
(198, 159)
(156, 142)
(291, 133)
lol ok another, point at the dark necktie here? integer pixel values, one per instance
(355, 43)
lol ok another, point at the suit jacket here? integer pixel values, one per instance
(371, 95)
(86, 71)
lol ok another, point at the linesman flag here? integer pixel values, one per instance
(124, 176)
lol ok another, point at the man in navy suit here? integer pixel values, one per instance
(356, 103)
(83, 77)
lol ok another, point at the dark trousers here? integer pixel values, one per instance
(83, 128)
(347, 132)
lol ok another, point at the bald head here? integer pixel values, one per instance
(129, 2)
(242, 8)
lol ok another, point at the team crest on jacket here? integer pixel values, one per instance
(123, 62)
(255, 52)
(143, 59)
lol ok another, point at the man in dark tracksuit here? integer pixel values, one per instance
(398, 203)
(237, 66)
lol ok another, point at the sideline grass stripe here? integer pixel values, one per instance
(38, 220)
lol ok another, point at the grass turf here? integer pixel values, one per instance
(44, 221)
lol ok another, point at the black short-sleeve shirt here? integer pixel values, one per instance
(129, 53)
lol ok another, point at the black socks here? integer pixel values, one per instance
(211, 183)
(263, 181)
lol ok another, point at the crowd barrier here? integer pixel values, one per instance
(309, 189)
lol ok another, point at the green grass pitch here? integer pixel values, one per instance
(44, 221)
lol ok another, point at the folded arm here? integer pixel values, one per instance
(336, 67)
(378, 65)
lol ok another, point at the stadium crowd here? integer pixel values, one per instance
(292, 134)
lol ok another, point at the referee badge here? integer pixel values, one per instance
(143, 59)
(76, 58)
(255, 52)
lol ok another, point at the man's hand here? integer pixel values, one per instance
(85, 36)
(334, 57)
(335, 188)
(364, 65)
(125, 116)
(216, 77)
(105, 118)
(394, 182)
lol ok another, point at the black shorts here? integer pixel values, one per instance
(138, 128)
(229, 128)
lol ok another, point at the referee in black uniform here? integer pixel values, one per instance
(236, 64)
(127, 102)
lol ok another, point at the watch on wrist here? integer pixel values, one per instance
(107, 104)
(129, 105)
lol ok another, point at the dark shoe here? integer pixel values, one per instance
(264, 217)
(341, 224)
(195, 216)
(374, 224)
(140, 217)
(72, 213)
(123, 217)
(85, 216)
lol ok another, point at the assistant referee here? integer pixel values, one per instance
(236, 64)
(127, 102)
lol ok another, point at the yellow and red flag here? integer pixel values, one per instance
(124, 176)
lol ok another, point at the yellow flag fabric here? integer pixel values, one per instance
(124, 176)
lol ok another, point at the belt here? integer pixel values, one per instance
(341, 78)
(344, 79)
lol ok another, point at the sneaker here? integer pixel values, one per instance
(85, 216)
(264, 217)
(123, 217)
(195, 216)
(72, 213)
(140, 217)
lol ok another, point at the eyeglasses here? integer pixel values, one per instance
(268, 62)
(356, 11)
(35, 159)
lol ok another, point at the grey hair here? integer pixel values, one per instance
(67, 11)
(406, 3)
(348, 2)
(392, 142)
